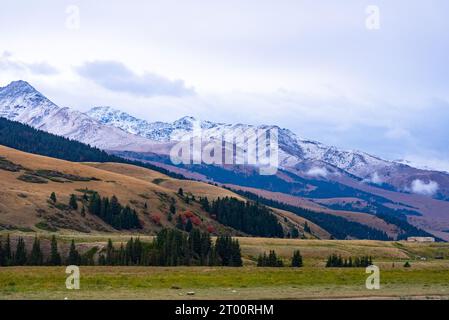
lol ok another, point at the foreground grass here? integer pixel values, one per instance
(422, 280)
(426, 278)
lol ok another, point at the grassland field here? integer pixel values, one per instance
(427, 278)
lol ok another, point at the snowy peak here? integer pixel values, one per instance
(293, 149)
(19, 101)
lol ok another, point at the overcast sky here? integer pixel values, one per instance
(311, 66)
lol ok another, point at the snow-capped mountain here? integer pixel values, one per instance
(293, 150)
(19, 101)
(111, 129)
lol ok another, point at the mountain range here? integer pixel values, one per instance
(310, 173)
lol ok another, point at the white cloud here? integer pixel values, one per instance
(420, 187)
(374, 178)
(317, 172)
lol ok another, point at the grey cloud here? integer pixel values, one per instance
(8, 63)
(116, 76)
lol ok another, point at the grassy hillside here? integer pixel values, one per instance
(27, 181)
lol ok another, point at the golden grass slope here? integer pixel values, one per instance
(25, 205)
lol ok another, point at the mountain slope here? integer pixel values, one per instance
(27, 180)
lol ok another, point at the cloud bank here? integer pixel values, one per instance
(116, 76)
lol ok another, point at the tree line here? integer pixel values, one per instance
(20, 256)
(172, 247)
(334, 261)
(169, 248)
(247, 216)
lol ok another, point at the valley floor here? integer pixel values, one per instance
(430, 281)
(427, 278)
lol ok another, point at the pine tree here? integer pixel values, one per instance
(236, 255)
(172, 209)
(74, 257)
(181, 192)
(53, 197)
(73, 203)
(179, 223)
(20, 257)
(36, 257)
(189, 225)
(307, 228)
(7, 252)
(110, 254)
(2, 256)
(297, 259)
(294, 233)
(55, 257)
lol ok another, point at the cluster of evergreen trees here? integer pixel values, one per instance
(20, 256)
(249, 217)
(113, 213)
(335, 261)
(272, 260)
(174, 248)
(169, 248)
(338, 227)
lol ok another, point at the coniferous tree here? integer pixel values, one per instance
(2, 255)
(55, 257)
(74, 257)
(53, 197)
(179, 223)
(270, 260)
(294, 233)
(36, 257)
(236, 255)
(307, 228)
(189, 225)
(7, 252)
(72, 202)
(297, 259)
(181, 192)
(20, 257)
(110, 259)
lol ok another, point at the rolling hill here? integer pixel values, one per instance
(27, 181)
